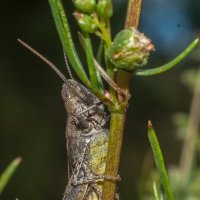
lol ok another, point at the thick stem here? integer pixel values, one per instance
(113, 157)
(115, 142)
(133, 13)
(118, 119)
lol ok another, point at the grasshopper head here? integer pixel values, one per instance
(76, 97)
(82, 103)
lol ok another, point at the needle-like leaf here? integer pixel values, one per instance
(159, 162)
(66, 39)
(171, 64)
(90, 62)
(5, 177)
(95, 76)
(157, 194)
(100, 52)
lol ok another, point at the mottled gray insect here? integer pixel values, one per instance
(87, 142)
(87, 139)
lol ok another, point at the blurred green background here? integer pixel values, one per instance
(32, 116)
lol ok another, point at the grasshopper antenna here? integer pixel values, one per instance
(44, 59)
(67, 65)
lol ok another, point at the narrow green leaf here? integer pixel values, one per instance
(156, 193)
(4, 178)
(66, 39)
(171, 64)
(90, 62)
(100, 82)
(159, 162)
(98, 58)
(100, 52)
(86, 44)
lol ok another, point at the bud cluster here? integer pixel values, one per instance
(87, 12)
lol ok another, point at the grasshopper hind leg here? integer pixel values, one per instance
(93, 193)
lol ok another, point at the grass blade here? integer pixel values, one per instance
(171, 64)
(157, 194)
(159, 162)
(90, 62)
(5, 177)
(95, 76)
(66, 39)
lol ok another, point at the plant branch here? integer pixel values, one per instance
(133, 13)
(118, 119)
(115, 144)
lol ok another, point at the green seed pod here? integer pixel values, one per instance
(85, 6)
(104, 9)
(85, 22)
(130, 49)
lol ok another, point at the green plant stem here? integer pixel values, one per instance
(118, 119)
(133, 13)
(105, 33)
(115, 144)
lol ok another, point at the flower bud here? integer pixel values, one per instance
(130, 49)
(85, 22)
(85, 6)
(104, 9)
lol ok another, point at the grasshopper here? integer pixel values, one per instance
(87, 138)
